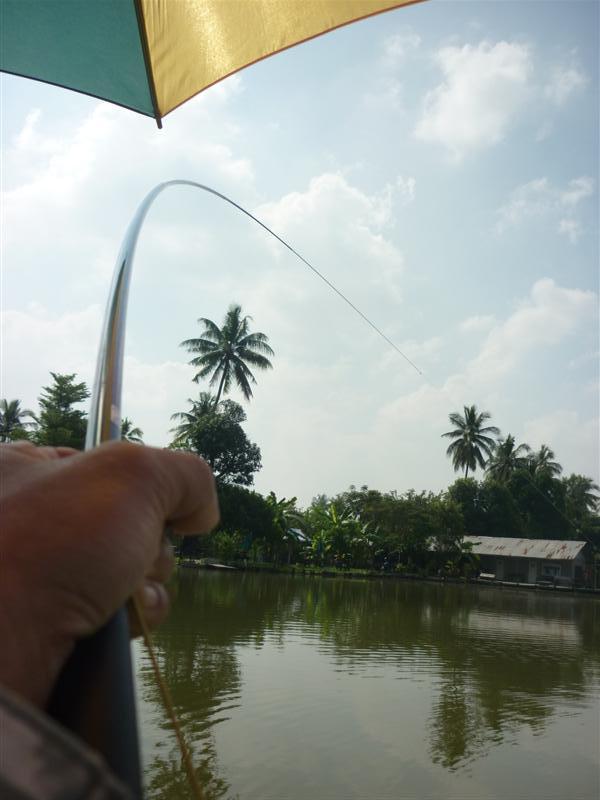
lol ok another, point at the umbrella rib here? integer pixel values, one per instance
(139, 13)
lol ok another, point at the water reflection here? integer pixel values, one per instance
(486, 666)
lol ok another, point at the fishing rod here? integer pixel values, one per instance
(94, 696)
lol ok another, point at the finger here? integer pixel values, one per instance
(185, 486)
(20, 445)
(52, 453)
(64, 452)
(152, 600)
(164, 564)
(30, 450)
(178, 486)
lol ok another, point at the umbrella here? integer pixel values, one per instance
(149, 56)
(153, 55)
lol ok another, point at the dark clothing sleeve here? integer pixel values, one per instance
(40, 760)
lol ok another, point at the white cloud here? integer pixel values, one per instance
(577, 190)
(564, 82)
(573, 439)
(341, 229)
(152, 392)
(397, 48)
(61, 179)
(541, 199)
(406, 188)
(484, 87)
(417, 418)
(480, 322)
(35, 342)
(549, 315)
(571, 228)
(386, 93)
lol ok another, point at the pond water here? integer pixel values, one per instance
(293, 687)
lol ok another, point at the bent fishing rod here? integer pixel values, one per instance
(94, 696)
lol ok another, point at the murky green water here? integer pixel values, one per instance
(293, 687)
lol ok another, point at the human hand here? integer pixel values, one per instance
(81, 532)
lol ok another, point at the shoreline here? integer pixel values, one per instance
(353, 574)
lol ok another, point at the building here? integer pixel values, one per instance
(557, 561)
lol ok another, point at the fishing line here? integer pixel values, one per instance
(305, 261)
(167, 699)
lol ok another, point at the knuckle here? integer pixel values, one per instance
(129, 459)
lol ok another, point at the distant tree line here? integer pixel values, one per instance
(522, 492)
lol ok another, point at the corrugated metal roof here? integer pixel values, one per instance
(548, 549)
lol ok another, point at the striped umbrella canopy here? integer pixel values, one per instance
(153, 55)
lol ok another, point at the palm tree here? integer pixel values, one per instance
(506, 458)
(542, 463)
(224, 353)
(129, 433)
(471, 439)
(205, 404)
(11, 419)
(582, 493)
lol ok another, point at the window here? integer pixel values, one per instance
(551, 570)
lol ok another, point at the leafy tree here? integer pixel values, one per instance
(12, 420)
(582, 494)
(338, 536)
(467, 493)
(205, 404)
(287, 523)
(540, 499)
(500, 511)
(59, 423)
(224, 353)
(129, 433)
(246, 512)
(506, 457)
(471, 439)
(219, 438)
(582, 505)
(542, 463)
(448, 525)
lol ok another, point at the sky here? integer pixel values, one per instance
(438, 163)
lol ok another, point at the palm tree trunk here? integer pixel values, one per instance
(222, 381)
(466, 471)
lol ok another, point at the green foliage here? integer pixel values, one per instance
(205, 404)
(227, 546)
(245, 511)
(507, 457)
(488, 508)
(540, 499)
(337, 537)
(542, 463)
(13, 425)
(59, 424)
(471, 439)
(129, 433)
(217, 435)
(224, 353)
(365, 528)
(287, 524)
